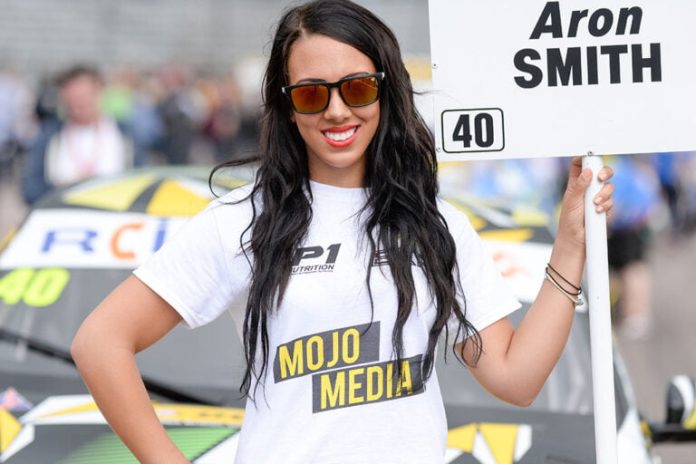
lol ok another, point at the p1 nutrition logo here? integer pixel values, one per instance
(313, 259)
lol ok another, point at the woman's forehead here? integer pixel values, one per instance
(317, 56)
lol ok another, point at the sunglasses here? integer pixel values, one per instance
(314, 97)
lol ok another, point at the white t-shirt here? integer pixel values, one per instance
(330, 394)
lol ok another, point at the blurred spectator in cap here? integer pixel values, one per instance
(83, 143)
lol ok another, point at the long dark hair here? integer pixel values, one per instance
(402, 218)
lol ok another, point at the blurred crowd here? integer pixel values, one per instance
(655, 193)
(80, 122)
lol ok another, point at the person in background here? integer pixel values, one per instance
(46, 104)
(144, 121)
(224, 119)
(130, 99)
(687, 182)
(180, 113)
(82, 143)
(636, 198)
(16, 123)
(677, 173)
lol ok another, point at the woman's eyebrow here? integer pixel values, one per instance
(355, 74)
(312, 80)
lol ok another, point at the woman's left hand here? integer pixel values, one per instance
(571, 224)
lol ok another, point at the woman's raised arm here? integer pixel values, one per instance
(515, 363)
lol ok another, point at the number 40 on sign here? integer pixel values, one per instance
(472, 130)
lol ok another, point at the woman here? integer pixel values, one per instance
(341, 268)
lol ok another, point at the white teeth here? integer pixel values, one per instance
(340, 136)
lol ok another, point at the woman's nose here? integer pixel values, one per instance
(337, 109)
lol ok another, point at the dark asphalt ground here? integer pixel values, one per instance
(669, 350)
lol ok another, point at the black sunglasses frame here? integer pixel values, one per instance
(330, 85)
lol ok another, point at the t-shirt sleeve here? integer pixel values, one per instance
(487, 297)
(190, 271)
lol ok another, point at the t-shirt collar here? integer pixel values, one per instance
(344, 194)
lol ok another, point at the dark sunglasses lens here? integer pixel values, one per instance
(309, 98)
(360, 91)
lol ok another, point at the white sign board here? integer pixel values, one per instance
(536, 78)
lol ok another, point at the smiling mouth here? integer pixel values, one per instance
(340, 137)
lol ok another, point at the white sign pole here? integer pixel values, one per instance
(600, 320)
